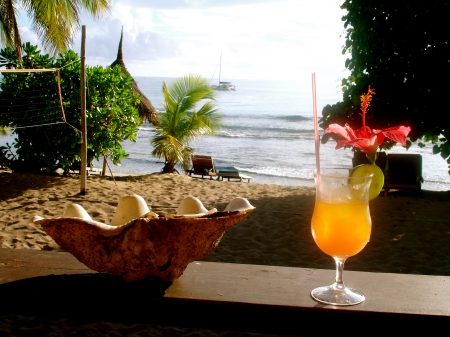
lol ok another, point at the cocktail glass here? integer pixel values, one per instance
(341, 227)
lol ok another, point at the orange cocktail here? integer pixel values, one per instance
(341, 227)
(341, 223)
(341, 230)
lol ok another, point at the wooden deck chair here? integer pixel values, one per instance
(404, 172)
(202, 166)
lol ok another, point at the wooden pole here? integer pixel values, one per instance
(105, 158)
(83, 112)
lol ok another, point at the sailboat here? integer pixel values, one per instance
(223, 86)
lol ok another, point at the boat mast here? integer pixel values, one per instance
(220, 66)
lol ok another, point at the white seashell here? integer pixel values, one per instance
(191, 205)
(130, 207)
(212, 210)
(238, 204)
(76, 211)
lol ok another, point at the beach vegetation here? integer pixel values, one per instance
(54, 22)
(401, 48)
(181, 122)
(111, 113)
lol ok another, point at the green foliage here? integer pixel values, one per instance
(110, 113)
(54, 22)
(181, 122)
(401, 49)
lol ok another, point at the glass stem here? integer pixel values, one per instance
(338, 282)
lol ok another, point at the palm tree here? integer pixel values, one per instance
(180, 123)
(54, 21)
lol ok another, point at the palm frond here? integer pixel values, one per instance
(56, 22)
(180, 123)
(97, 7)
(168, 148)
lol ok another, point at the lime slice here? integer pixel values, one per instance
(377, 179)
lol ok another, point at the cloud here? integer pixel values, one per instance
(189, 4)
(285, 39)
(139, 44)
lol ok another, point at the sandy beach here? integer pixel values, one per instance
(410, 231)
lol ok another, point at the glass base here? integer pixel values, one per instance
(337, 295)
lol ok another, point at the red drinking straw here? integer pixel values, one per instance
(316, 131)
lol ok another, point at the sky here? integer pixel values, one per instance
(258, 39)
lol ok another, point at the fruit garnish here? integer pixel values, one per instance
(368, 140)
(377, 179)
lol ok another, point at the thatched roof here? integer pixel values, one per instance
(146, 110)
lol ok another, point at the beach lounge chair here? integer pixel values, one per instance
(404, 172)
(202, 166)
(232, 174)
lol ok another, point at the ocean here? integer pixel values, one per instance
(267, 133)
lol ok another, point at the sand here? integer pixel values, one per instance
(410, 232)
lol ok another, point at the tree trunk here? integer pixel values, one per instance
(168, 167)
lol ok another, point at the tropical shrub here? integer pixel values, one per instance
(400, 48)
(110, 113)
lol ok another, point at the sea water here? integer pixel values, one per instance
(267, 132)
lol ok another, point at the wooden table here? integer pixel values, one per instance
(224, 296)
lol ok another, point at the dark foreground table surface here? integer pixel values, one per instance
(232, 297)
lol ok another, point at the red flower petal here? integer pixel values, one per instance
(367, 139)
(350, 131)
(380, 138)
(339, 130)
(368, 145)
(397, 134)
(364, 133)
(342, 143)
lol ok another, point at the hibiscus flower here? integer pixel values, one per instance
(366, 139)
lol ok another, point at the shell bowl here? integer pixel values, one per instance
(142, 248)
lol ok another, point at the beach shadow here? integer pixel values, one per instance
(15, 184)
(406, 238)
(277, 233)
(81, 295)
